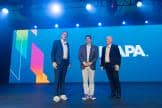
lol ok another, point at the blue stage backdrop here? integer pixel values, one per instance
(140, 47)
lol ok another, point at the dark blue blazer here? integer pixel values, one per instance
(115, 57)
(57, 52)
(92, 57)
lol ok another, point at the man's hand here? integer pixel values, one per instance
(89, 63)
(116, 67)
(54, 64)
(69, 66)
(85, 64)
(102, 68)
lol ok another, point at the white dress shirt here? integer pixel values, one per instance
(88, 46)
(107, 54)
(65, 49)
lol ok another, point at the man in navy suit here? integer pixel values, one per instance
(110, 61)
(60, 62)
(88, 54)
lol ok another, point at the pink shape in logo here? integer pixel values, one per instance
(37, 60)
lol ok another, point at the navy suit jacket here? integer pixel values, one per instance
(57, 52)
(115, 57)
(92, 57)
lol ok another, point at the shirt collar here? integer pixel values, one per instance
(62, 41)
(109, 45)
(88, 44)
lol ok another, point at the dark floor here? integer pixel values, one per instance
(134, 95)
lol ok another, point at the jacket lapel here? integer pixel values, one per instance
(61, 46)
(90, 55)
(111, 49)
(85, 51)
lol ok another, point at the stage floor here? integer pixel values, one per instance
(134, 95)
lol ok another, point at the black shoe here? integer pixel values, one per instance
(112, 95)
(118, 96)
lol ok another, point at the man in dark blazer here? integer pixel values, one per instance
(88, 55)
(60, 62)
(110, 61)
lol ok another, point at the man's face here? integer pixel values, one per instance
(64, 35)
(108, 40)
(88, 40)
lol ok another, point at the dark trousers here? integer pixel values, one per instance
(60, 74)
(113, 77)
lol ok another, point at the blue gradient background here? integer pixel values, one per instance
(133, 69)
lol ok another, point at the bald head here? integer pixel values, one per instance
(109, 40)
